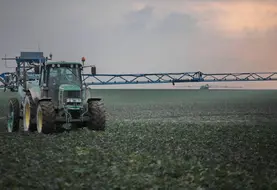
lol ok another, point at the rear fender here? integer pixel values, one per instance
(88, 96)
(44, 99)
(35, 94)
(93, 99)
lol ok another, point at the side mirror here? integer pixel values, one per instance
(93, 70)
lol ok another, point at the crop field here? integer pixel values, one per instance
(155, 139)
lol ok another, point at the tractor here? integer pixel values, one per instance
(51, 98)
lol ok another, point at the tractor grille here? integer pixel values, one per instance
(72, 94)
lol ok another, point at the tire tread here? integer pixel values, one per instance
(98, 116)
(16, 108)
(48, 117)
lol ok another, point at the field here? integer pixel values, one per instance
(155, 139)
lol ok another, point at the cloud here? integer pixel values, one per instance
(239, 17)
(139, 19)
(228, 18)
(147, 44)
(176, 22)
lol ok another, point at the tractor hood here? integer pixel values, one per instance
(69, 87)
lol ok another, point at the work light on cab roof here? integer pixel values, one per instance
(83, 60)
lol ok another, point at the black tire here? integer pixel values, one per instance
(13, 121)
(97, 115)
(46, 117)
(32, 125)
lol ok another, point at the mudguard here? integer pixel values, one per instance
(44, 99)
(88, 97)
(35, 93)
(94, 99)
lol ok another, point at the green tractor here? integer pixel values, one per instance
(54, 97)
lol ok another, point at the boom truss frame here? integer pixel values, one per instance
(29, 61)
(155, 78)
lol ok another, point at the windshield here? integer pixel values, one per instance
(64, 75)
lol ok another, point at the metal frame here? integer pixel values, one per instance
(29, 60)
(155, 78)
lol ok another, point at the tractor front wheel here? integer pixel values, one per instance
(98, 116)
(13, 115)
(45, 117)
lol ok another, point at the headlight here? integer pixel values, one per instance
(77, 100)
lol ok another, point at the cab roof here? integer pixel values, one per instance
(63, 63)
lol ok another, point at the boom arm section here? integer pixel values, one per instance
(154, 78)
(28, 65)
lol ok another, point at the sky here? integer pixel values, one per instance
(142, 36)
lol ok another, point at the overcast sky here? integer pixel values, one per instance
(134, 36)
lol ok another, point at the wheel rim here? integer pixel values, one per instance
(39, 120)
(10, 121)
(27, 116)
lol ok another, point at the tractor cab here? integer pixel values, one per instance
(63, 81)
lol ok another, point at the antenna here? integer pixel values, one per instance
(6, 61)
(38, 46)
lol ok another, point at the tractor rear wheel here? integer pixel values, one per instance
(98, 116)
(13, 115)
(29, 110)
(46, 117)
